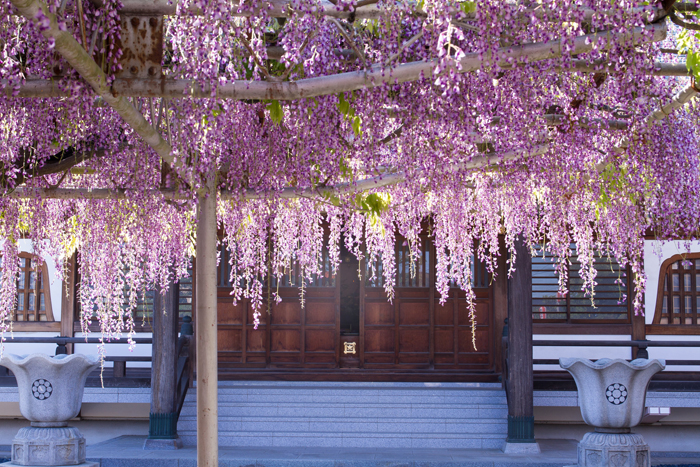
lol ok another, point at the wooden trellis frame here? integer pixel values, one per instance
(377, 75)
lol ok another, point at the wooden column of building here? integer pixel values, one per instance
(206, 334)
(521, 420)
(68, 291)
(162, 429)
(639, 331)
(500, 304)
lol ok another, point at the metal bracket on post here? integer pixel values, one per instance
(61, 348)
(642, 351)
(141, 43)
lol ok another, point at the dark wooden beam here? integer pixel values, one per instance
(521, 420)
(162, 430)
(500, 303)
(68, 295)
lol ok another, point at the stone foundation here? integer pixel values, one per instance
(48, 446)
(613, 450)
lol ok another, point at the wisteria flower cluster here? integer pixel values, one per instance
(528, 122)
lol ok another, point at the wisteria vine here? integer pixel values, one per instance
(558, 173)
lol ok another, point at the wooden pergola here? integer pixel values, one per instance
(117, 96)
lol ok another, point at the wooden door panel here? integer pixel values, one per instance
(379, 340)
(321, 359)
(481, 338)
(475, 359)
(414, 360)
(444, 314)
(287, 312)
(256, 339)
(444, 340)
(379, 313)
(229, 340)
(227, 313)
(414, 313)
(319, 313)
(414, 340)
(383, 359)
(481, 314)
(320, 340)
(285, 340)
(453, 344)
(251, 311)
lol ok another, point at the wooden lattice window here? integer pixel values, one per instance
(33, 293)
(410, 272)
(613, 292)
(143, 311)
(678, 299)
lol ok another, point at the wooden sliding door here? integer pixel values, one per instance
(289, 336)
(414, 334)
(397, 335)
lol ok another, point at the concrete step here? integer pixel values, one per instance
(376, 415)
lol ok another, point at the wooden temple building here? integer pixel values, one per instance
(350, 368)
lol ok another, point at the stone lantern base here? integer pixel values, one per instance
(48, 446)
(600, 449)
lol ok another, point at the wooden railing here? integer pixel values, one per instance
(642, 345)
(185, 367)
(185, 371)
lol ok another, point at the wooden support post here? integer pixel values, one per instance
(119, 369)
(68, 292)
(500, 303)
(639, 331)
(207, 365)
(162, 426)
(521, 419)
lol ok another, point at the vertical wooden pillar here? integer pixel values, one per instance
(521, 419)
(207, 365)
(68, 294)
(500, 304)
(162, 429)
(639, 331)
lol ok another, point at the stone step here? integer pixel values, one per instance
(461, 398)
(377, 415)
(333, 425)
(349, 411)
(360, 440)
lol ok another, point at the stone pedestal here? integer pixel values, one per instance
(613, 450)
(162, 444)
(84, 464)
(48, 446)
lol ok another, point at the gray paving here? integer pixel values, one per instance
(127, 451)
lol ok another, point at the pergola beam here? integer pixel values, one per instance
(680, 99)
(42, 88)
(285, 8)
(660, 68)
(277, 9)
(325, 192)
(91, 72)
(344, 82)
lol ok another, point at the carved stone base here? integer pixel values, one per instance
(613, 450)
(84, 464)
(48, 446)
